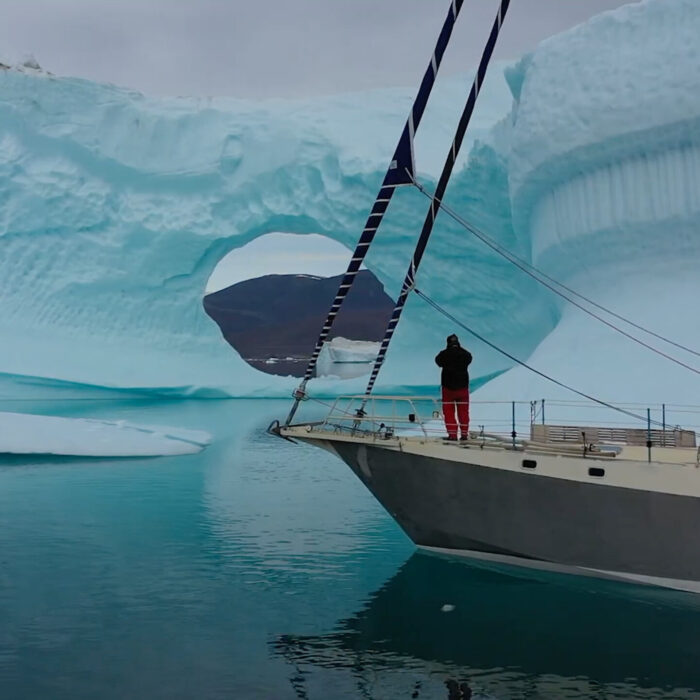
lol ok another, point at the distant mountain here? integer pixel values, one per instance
(281, 315)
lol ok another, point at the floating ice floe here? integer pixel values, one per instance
(29, 434)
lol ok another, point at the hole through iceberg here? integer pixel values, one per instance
(271, 296)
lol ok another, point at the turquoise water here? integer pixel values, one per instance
(261, 569)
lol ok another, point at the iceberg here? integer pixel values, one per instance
(583, 157)
(346, 359)
(29, 434)
(604, 181)
(353, 351)
(117, 208)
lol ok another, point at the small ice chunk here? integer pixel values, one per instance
(345, 350)
(447, 607)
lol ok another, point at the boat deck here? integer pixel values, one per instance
(397, 421)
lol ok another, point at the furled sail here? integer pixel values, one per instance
(401, 171)
(409, 280)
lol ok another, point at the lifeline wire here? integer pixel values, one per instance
(534, 272)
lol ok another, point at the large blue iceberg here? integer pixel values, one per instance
(583, 157)
(603, 166)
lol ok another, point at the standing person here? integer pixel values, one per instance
(455, 360)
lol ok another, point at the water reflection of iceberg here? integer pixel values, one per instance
(511, 637)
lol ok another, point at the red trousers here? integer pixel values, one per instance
(460, 397)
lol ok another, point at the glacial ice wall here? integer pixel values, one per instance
(604, 175)
(622, 144)
(116, 208)
(584, 158)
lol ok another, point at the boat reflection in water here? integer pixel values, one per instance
(446, 629)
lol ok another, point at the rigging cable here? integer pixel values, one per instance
(433, 210)
(534, 272)
(395, 177)
(455, 320)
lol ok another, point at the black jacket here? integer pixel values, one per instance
(454, 361)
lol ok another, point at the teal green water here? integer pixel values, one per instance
(261, 569)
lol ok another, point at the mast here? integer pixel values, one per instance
(400, 172)
(409, 280)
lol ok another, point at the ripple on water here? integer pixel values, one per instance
(260, 569)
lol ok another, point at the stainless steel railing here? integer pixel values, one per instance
(514, 421)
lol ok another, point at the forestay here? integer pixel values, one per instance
(401, 171)
(409, 280)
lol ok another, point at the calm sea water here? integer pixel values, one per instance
(261, 569)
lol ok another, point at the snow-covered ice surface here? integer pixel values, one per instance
(584, 157)
(28, 434)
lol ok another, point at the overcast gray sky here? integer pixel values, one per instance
(268, 48)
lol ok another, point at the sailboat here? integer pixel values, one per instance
(614, 502)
